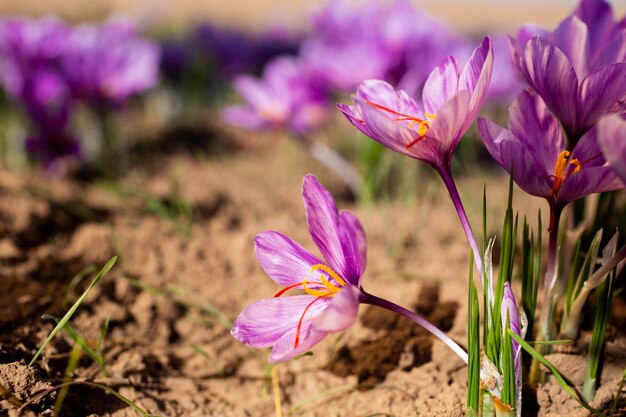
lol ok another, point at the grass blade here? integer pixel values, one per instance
(66, 318)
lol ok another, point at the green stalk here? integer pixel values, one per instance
(596, 351)
(473, 346)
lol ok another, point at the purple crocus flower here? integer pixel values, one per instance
(579, 69)
(429, 132)
(332, 286)
(612, 138)
(108, 63)
(285, 97)
(534, 150)
(29, 58)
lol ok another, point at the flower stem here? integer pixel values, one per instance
(367, 298)
(446, 176)
(546, 319)
(333, 161)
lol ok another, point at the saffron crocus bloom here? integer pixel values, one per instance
(534, 151)
(285, 97)
(579, 69)
(332, 286)
(429, 132)
(612, 137)
(108, 63)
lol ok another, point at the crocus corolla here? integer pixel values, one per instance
(579, 69)
(430, 131)
(285, 97)
(292, 325)
(612, 138)
(534, 151)
(331, 285)
(108, 63)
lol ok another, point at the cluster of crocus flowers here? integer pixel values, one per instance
(48, 67)
(579, 69)
(431, 129)
(284, 97)
(331, 285)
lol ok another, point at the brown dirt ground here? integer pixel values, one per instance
(165, 350)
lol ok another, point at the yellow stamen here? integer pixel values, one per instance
(561, 170)
(330, 272)
(314, 292)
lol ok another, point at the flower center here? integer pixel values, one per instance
(321, 289)
(422, 124)
(562, 170)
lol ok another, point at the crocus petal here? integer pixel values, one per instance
(341, 312)
(476, 76)
(528, 172)
(595, 176)
(450, 124)
(253, 91)
(354, 246)
(509, 306)
(383, 94)
(243, 117)
(601, 91)
(572, 38)
(392, 134)
(553, 77)
(612, 134)
(532, 122)
(442, 83)
(263, 323)
(322, 219)
(598, 17)
(284, 260)
(284, 348)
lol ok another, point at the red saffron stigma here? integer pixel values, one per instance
(287, 288)
(295, 345)
(419, 138)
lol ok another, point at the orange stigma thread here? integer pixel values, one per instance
(321, 289)
(422, 127)
(562, 170)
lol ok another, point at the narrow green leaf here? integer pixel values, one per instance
(66, 318)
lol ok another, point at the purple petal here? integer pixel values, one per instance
(552, 76)
(263, 323)
(601, 91)
(509, 307)
(451, 123)
(612, 135)
(528, 172)
(243, 117)
(476, 76)
(532, 122)
(595, 176)
(598, 17)
(383, 94)
(284, 348)
(323, 222)
(397, 136)
(354, 245)
(341, 313)
(442, 83)
(284, 260)
(572, 38)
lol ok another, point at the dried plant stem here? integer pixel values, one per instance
(7, 395)
(367, 298)
(333, 161)
(278, 409)
(446, 176)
